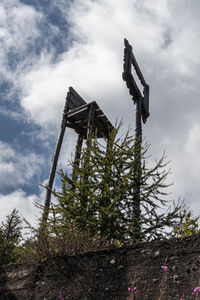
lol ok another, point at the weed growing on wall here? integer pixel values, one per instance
(188, 225)
(133, 292)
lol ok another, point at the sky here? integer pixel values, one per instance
(47, 46)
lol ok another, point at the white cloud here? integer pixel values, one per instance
(17, 169)
(17, 35)
(23, 203)
(186, 167)
(93, 64)
(165, 39)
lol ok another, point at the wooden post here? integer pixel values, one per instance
(52, 174)
(90, 130)
(141, 103)
(77, 156)
(138, 118)
(137, 169)
(54, 164)
(90, 123)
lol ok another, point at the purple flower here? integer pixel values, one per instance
(61, 297)
(196, 290)
(165, 268)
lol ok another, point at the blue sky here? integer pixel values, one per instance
(47, 46)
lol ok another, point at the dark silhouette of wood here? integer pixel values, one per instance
(54, 163)
(90, 123)
(78, 120)
(77, 156)
(84, 118)
(141, 104)
(129, 62)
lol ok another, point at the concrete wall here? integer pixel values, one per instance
(107, 274)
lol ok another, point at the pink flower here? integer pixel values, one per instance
(196, 290)
(132, 289)
(61, 297)
(165, 268)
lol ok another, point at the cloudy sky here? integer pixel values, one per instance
(47, 46)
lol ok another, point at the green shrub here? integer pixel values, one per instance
(10, 237)
(188, 225)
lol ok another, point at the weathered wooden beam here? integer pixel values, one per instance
(141, 105)
(129, 61)
(90, 123)
(54, 162)
(75, 100)
(76, 111)
(52, 174)
(77, 156)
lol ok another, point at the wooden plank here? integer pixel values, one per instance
(75, 100)
(130, 60)
(78, 115)
(77, 156)
(127, 60)
(76, 111)
(52, 174)
(101, 116)
(138, 71)
(102, 127)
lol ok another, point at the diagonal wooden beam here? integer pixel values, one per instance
(54, 162)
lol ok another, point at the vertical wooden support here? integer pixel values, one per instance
(137, 169)
(141, 102)
(54, 163)
(90, 130)
(90, 123)
(138, 118)
(77, 156)
(52, 174)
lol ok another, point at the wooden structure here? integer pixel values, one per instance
(143, 98)
(141, 103)
(84, 118)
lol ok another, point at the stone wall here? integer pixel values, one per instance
(107, 274)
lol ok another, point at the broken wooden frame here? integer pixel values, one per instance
(141, 103)
(129, 62)
(84, 118)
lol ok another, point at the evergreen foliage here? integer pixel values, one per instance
(188, 225)
(10, 237)
(95, 209)
(102, 198)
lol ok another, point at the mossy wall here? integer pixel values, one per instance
(107, 274)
